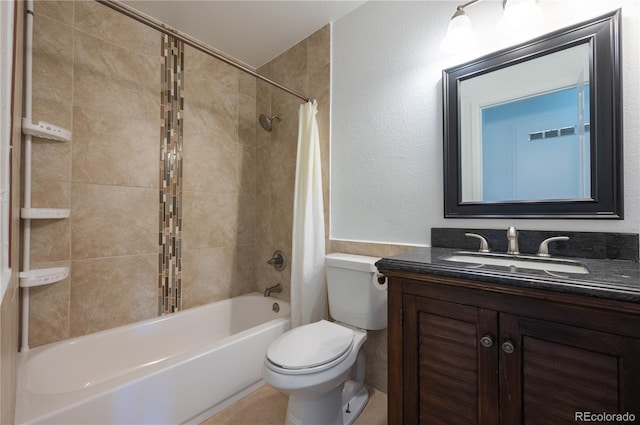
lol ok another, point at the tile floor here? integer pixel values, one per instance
(267, 406)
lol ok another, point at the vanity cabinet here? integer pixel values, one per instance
(468, 352)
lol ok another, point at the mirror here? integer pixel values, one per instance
(535, 131)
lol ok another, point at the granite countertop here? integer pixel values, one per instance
(610, 279)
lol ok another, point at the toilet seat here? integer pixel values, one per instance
(310, 348)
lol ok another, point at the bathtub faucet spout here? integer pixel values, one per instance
(275, 288)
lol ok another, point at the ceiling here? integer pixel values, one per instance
(253, 32)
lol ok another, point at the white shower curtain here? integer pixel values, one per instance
(308, 282)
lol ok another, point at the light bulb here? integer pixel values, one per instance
(520, 16)
(460, 35)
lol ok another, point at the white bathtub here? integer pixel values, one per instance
(179, 368)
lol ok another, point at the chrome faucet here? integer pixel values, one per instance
(275, 288)
(512, 241)
(484, 244)
(543, 249)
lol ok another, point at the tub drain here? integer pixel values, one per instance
(275, 307)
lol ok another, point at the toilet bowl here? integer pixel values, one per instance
(321, 366)
(314, 374)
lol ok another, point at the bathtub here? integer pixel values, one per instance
(174, 369)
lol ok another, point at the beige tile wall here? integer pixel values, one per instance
(98, 73)
(219, 181)
(51, 166)
(304, 68)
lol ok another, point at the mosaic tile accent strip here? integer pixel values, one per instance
(170, 249)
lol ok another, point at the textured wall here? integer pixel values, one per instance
(387, 116)
(386, 113)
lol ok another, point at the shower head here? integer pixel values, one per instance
(267, 122)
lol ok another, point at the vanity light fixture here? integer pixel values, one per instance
(460, 35)
(518, 16)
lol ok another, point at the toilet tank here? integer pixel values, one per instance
(356, 297)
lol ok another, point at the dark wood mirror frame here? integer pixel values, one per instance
(603, 35)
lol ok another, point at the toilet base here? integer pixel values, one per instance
(354, 398)
(340, 406)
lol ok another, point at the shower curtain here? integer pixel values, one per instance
(308, 282)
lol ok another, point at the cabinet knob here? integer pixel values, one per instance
(486, 341)
(508, 347)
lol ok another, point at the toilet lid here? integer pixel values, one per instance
(310, 345)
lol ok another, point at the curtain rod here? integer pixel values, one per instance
(165, 29)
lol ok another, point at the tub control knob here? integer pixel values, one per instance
(278, 260)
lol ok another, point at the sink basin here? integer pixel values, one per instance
(559, 265)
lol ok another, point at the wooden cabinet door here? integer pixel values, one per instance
(549, 372)
(450, 377)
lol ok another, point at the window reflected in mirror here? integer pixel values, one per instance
(537, 148)
(529, 137)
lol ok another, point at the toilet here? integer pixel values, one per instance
(321, 366)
